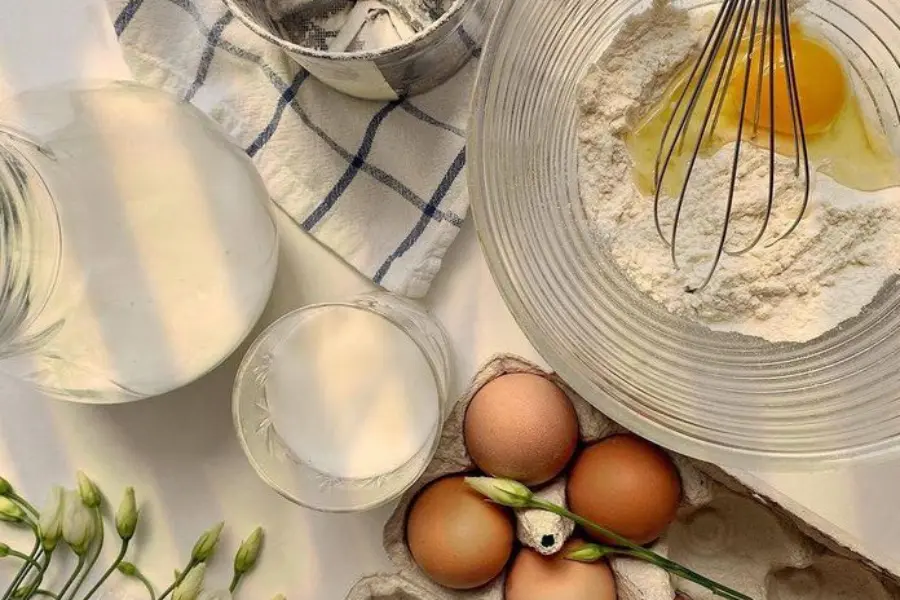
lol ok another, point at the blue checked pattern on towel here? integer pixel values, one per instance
(382, 185)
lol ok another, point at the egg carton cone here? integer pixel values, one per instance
(724, 530)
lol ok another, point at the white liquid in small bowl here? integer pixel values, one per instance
(351, 395)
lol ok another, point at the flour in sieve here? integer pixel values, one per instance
(827, 271)
(353, 25)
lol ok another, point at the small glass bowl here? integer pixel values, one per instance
(722, 397)
(296, 477)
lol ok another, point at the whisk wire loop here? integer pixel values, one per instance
(801, 149)
(714, 68)
(769, 52)
(700, 68)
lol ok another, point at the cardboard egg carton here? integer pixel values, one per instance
(723, 530)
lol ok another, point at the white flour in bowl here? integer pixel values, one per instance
(827, 271)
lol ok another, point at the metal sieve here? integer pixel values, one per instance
(372, 49)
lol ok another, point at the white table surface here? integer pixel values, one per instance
(180, 451)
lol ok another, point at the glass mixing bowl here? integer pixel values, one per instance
(722, 397)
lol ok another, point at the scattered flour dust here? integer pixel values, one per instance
(824, 273)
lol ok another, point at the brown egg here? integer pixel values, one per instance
(627, 485)
(521, 427)
(536, 577)
(457, 538)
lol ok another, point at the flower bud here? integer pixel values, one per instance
(247, 554)
(50, 523)
(190, 586)
(126, 568)
(207, 543)
(4, 550)
(127, 515)
(10, 511)
(502, 491)
(88, 491)
(5, 487)
(588, 553)
(78, 527)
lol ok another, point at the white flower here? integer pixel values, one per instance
(190, 586)
(78, 527)
(214, 595)
(51, 519)
(502, 491)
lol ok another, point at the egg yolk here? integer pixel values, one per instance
(821, 87)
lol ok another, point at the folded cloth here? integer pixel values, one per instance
(381, 184)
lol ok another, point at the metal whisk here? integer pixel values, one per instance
(758, 24)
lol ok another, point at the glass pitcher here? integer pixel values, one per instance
(136, 245)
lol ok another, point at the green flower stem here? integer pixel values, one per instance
(119, 558)
(20, 576)
(235, 580)
(640, 552)
(98, 520)
(193, 563)
(147, 584)
(78, 567)
(25, 557)
(24, 504)
(33, 589)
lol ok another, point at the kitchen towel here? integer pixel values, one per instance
(381, 184)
